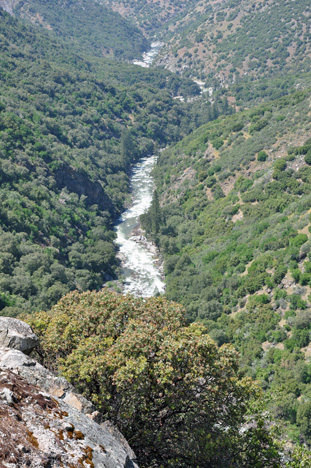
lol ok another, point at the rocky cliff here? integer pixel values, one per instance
(43, 421)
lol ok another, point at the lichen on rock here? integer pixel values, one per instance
(44, 422)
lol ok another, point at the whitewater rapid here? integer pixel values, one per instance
(148, 57)
(141, 266)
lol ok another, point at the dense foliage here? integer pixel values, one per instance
(69, 131)
(233, 224)
(175, 395)
(89, 25)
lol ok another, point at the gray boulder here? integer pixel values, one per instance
(16, 334)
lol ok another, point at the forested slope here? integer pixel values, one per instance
(151, 15)
(231, 40)
(234, 228)
(94, 28)
(69, 130)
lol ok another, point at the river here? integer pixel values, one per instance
(141, 266)
(148, 57)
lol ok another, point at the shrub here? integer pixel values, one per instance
(262, 156)
(299, 240)
(280, 165)
(308, 157)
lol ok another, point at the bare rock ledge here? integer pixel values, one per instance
(44, 423)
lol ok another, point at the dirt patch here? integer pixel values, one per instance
(237, 217)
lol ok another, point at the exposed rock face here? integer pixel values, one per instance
(8, 5)
(17, 335)
(45, 423)
(74, 181)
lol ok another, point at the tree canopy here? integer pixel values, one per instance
(176, 396)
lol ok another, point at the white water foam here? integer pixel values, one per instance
(139, 260)
(148, 57)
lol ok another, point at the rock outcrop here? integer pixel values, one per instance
(17, 335)
(44, 422)
(8, 5)
(75, 181)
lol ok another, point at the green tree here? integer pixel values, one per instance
(308, 157)
(155, 212)
(128, 149)
(262, 156)
(304, 420)
(300, 458)
(175, 395)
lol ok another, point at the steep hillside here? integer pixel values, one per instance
(67, 139)
(151, 15)
(234, 227)
(94, 28)
(234, 39)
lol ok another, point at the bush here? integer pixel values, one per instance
(262, 156)
(280, 273)
(308, 157)
(304, 279)
(299, 240)
(261, 299)
(280, 165)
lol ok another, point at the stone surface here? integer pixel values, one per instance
(8, 5)
(44, 422)
(16, 334)
(40, 431)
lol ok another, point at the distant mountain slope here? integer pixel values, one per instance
(88, 24)
(231, 39)
(150, 15)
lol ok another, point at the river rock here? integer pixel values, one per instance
(139, 239)
(16, 334)
(44, 422)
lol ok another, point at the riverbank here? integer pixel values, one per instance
(140, 238)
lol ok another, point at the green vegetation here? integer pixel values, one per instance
(175, 395)
(231, 216)
(241, 41)
(64, 163)
(150, 15)
(89, 25)
(234, 231)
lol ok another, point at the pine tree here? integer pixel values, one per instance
(155, 212)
